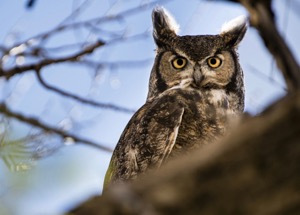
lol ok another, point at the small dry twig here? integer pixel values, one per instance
(35, 122)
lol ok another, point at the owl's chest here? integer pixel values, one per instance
(204, 120)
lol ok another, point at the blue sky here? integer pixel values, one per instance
(76, 172)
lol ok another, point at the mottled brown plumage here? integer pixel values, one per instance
(196, 87)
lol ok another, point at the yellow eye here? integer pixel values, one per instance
(179, 63)
(214, 62)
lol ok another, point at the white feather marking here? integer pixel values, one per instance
(218, 95)
(183, 84)
(132, 157)
(171, 140)
(233, 24)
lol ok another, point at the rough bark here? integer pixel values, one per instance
(255, 170)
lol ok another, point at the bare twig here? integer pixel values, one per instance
(97, 20)
(72, 58)
(266, 77)
(34, 122)
(76, 11)
(123, 64)
(37, 66)
(80, 99)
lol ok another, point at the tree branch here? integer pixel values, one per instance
(98, 20)
(257, 72)
(36, 123)
(80, 99)
(37, 66)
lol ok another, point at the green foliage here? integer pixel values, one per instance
(16, 155)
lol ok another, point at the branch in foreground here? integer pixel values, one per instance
(255, 170)
(34, 122)
(38, 66)
(80, 99)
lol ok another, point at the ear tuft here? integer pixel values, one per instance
(163, 24)
(234, 30)
(234, 24)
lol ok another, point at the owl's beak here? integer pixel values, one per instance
(198, 77)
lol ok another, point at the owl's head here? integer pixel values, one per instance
(202, 62)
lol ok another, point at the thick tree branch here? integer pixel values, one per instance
(34, 122)
(255, 170)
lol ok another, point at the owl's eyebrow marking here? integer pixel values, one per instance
(175, 55)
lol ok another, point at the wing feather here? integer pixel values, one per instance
(170, 142)
(147, 140)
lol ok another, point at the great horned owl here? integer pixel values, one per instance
(196, 86)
